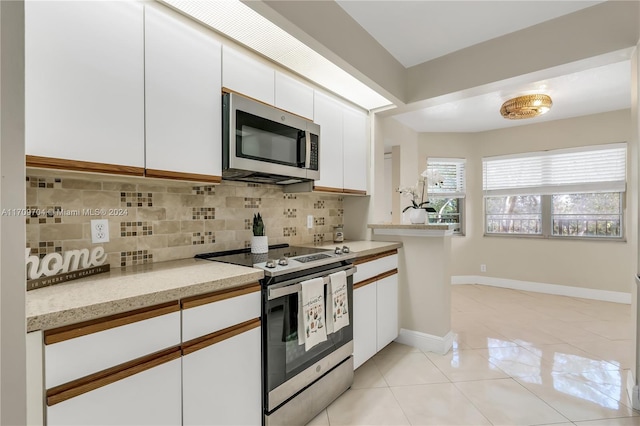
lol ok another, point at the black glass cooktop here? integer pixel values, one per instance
(246, 258)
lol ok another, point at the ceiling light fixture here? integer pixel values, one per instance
(527, 106)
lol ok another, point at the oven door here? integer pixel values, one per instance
(288, 367)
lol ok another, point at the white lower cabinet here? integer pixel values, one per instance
(122, 369)
(197, 361)
(222, 382)
(375, 305)
(222, 358)
(150, 397)
(387, 310)
(364, 324)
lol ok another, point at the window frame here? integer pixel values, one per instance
(546, 221)
(580, 170)
(459, 192)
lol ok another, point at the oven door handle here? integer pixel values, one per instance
(293, 286)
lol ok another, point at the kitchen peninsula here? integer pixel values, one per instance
(424, 283)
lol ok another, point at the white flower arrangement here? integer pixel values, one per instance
(417, 192)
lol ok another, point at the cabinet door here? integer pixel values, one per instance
(84, 81)
(294, 96)
(151, 397)
(247, 76)
(328, 114)
(356, 152)
(364, 323)
(222, 382)
(183, 97)
(387, 308)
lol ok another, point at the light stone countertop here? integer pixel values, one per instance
(433, 227)
(122, 290)
(363, 248)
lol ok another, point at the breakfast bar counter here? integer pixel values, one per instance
(424, 283)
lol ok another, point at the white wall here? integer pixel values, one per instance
(635, 135)
(404, 141)
(600, 265)
(12, 228)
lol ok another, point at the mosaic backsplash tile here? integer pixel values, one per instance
(152, 220)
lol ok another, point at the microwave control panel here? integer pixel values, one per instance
(314, 153)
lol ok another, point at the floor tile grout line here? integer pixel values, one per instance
(515, 379)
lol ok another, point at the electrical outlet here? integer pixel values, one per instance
(310, 221)
(100, 231)
(483, 268)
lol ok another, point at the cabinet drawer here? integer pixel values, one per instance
(81, 349)
(209, 313)
(148, 393)
(377, 265)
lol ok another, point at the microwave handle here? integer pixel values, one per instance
(307, 158)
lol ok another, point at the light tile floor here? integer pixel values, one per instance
(519, 358)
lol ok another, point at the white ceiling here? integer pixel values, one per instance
(418, 31)
(590, 91)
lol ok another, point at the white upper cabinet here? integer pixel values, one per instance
(183, 97)
(247, 76)
(355, 148)
(328, 114)
(84, 87)
(344, 146)
(294, 96)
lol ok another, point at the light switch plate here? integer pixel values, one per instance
(99, 231)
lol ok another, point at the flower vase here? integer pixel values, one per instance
(418, 216)
(259, 244)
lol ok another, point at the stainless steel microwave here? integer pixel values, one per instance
(261, 143)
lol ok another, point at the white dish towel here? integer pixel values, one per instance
(311, 316)
(338, 306)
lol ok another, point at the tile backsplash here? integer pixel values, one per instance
(152, 220)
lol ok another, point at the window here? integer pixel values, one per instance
(514, 214)
(562, 193)
(446, 191)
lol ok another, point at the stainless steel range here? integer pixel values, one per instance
(297, 383)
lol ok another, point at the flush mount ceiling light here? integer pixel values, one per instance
(527, 106)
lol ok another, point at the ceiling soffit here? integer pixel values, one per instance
(328, 29)
(570, 38)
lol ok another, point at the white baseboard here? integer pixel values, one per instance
(633, 391)
(561, 290)
(426, 342)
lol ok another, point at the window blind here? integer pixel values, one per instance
(451, 173)
(600, 168)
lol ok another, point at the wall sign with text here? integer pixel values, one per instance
(56, 268)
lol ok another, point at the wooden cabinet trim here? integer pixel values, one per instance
(372, 257)
(344, 191)
(327, 189)
(111, 375)
(82, 166)
(218, 336)
(204, 299)
(374, 279)
(354, 191)
(192, 177)
(60, 334)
